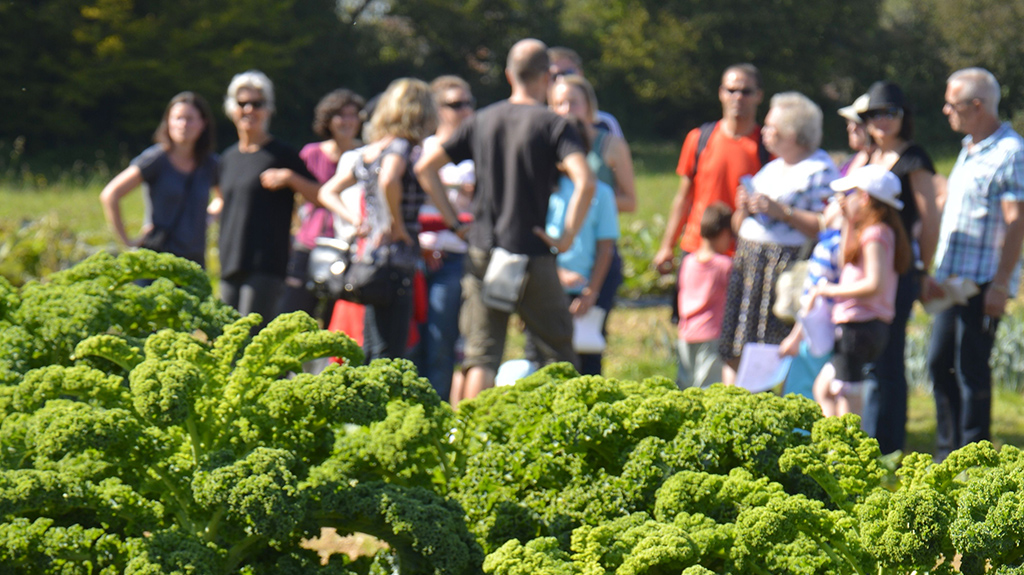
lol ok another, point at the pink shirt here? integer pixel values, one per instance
(316, 222)
(882, 305)
(702, 287)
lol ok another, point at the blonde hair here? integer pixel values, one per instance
(577, 81)
(405, 110)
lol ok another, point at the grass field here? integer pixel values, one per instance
(641, 341)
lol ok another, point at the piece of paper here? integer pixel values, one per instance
(761, 368)
(958, 291)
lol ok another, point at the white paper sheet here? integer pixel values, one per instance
(761, 368)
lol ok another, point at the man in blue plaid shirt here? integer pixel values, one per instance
(979, 239)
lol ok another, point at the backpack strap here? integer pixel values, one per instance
(702, 142)
(762, 153)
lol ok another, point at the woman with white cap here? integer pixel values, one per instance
(874, 251)
(856, 134)
(890, 123)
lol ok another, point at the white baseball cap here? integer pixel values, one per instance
(876, 180)
(854, 110)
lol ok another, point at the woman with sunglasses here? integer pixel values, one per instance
(178, 171)
(258, 178)
(890, 124)
(443, 250)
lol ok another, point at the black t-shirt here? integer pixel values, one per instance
(255, 222)
(515, 148)
(912, 159)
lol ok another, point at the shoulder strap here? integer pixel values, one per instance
(762, 152)
(702, 142)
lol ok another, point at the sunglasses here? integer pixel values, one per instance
(459, 104)
(844, 194)
(745, 92)
(566, 72)
(254, 104)
(890, 113)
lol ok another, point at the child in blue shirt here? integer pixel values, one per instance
(823, 264)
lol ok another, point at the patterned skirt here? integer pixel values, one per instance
(748, 305)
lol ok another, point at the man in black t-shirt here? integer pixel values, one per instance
(517, 146)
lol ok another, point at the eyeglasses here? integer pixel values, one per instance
(254, 104)
(459, 104)
(745, 92)
(890, 113)
(960, 105)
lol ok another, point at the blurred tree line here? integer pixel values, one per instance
(96, 74)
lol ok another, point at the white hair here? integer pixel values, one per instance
(798, 115)
(253, 80)
(981, 84)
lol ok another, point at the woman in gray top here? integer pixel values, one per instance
(178, 172)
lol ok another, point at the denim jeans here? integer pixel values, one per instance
(961, 377)
(885, 399)
(434, 356)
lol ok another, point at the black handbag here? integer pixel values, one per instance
(374, 278)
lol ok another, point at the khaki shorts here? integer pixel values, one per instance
(542, 309)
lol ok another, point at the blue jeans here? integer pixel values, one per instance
(434, 356)
(885, 391)
(958, 359)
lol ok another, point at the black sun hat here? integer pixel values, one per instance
(884, 94)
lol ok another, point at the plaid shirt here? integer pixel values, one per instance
(973, 229)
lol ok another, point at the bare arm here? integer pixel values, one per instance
(216, 205)
(620, 159)
(110, 198)
(677, 216)
(426, 170)
(602, 263)
(278, 178)
(998, 292)
(922, 183)
(330, 196)
(873, 255)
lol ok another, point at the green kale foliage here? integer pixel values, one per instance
(147, 430)
(563, 474)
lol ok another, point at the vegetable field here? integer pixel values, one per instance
(147, 429)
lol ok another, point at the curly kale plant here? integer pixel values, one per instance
(41, 323)
(563, 474)
(198, 454)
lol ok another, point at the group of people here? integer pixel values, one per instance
(514, 209)
(883, 230)
(416, 172)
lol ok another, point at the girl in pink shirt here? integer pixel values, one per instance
(875, 251)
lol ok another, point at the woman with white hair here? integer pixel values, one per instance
(258, 176)
(777, 212)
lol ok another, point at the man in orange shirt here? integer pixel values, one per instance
(713, 159)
